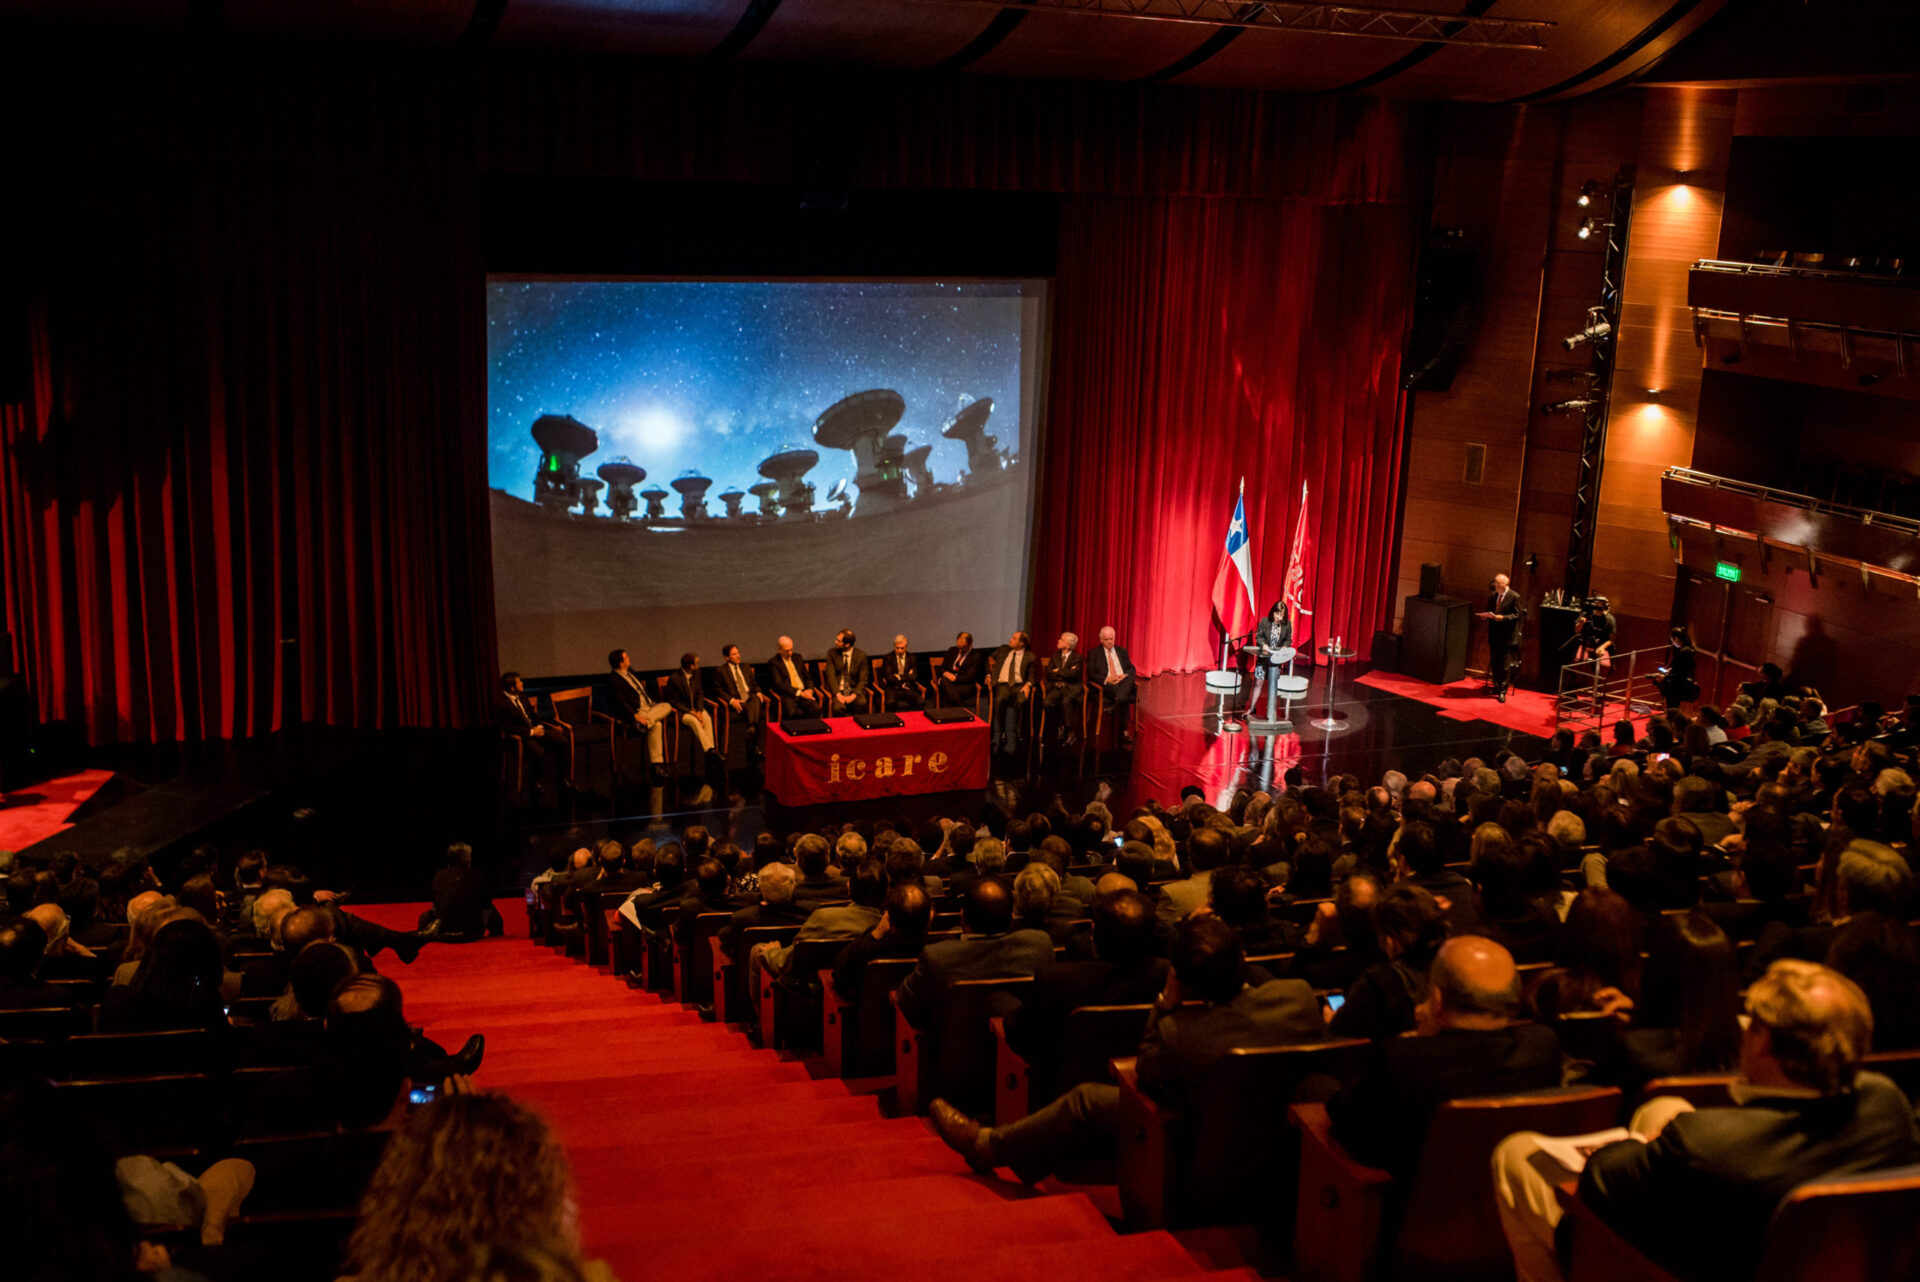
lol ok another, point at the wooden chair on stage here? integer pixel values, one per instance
(1042, 716)
(981, 703)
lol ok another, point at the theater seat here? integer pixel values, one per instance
(952, 1059)
(1232, 1157)
(1094, 1037)
(166, 1115)
(1450, 1229)
(1852, 1228)
(857, 1037)
(295, 1247)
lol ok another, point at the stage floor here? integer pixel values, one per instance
(373, 812)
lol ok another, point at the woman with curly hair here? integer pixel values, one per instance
(466, 1179)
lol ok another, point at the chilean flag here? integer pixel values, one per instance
(1233, 584)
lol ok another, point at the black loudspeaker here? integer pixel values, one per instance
(1433, 645)
(1442, 312)
(1386, 651)
(1429, 580)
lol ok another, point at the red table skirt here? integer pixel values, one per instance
(852, 764)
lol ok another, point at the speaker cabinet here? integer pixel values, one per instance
(1386, 651)
(1430, 579)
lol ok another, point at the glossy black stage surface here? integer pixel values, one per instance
(374, 812)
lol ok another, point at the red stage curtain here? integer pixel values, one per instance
(1199, 341)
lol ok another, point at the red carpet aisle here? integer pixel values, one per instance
(38, 812)
(698, 1156)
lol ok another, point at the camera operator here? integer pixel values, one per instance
(1593, 639)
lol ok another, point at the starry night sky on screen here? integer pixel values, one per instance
(717, 375)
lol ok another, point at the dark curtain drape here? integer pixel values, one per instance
(1200, 341)
(245, 485)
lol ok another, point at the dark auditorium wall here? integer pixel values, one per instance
(245, 487)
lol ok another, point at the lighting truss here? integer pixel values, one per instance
(1309, 18)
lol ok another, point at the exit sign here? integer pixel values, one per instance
(1726, 570)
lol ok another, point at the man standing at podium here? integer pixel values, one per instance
(1503, 627)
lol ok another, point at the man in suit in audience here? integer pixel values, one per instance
(1124, 972)
(816, 886)
(1109, 668)
(1207, 849)
(1694, 1190)
(733, 683)
(900, 932)
(462, 909)
(776, 908)
(1065, 688)
(22, 947)
(838, 921)
(687, 697)
(988, 949)
(962, 675)
(793, 685)
(1469, 1041)
(1011, 670)
(635, 708)
(848, 674)
(540, 738)
(1178, 1049)
(903, 678)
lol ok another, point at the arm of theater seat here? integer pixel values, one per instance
(760, 984)
(718, 960)
(833, 1024)
(908, 1043)
(1145, 1150)
(1602, 1255)
(1012, 1077)
(1341, 1204)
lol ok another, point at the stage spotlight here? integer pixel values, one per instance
(1597, 328)
(1589, 225)
(1559, 407)
(1589, 191)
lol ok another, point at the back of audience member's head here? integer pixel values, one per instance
(1034, 891)
(1135, 862)
(1474, 982)
(767, 850)
(1408, 924)
(849, 849)
(909, 909)
(1123, 926)
(988, 909)
(1692, 985)
(812, 854)
(317, 971)
(473, 1170)
(1856, 809)
(1208, 958)
(1019, 836)
(1311, 876)
(1567, 828)
(777, 881)
(363, 1056)
(1055, 853)
(1599, 939)
(1875, 878)
(247, 869)
(459, 855)
(710, 875)
(1239, 896)
(200, 894)
(1882, 956)
(180, 974)
(960, 839)
(697, 840)
(1814, 1023)
(1207, 849)
(868, 885)
(989, 856)
(304, 926)
(670, 866)
(22, 946)
(1420, 849)
(906, 862)
(729, 855)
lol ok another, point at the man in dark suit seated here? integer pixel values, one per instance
(1065, 688)
(848, 673)
(989, 949)
(540, 739)
(962, 675)
(1694, 1190)
(705, 892)
(462, 909)
(1178, 1049)
(1124, 972)
(816, 886)
(1011, 669)
(732, 683)
(1109, 668)
(1469, 1041)
(793, 685)
(900, 932)
(903, 678)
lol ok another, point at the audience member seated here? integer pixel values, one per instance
(317, 972)
(817, 885)
(900, 932)
(1878, 953)
(1207, 849)
(462, 910)
(177, 984)
(1385, 999)
(474, 1177)
(1524, 924)
(1686, 1019)
(1470, 1041)
(1866, 877)
(1039, 905)
(838, 921)
(1180, 1045)
(1597, 965)
(1124, 971)
(1237, 895)
(22, 947)
(776, 908)
(989, 948)
(1694, 1190)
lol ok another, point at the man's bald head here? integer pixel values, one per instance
(1811, 1026)
(1112, 882)
(1475, 985)
(1421, 790)
(52, 919)
(305, 926)
(141, 902)
(582, 857)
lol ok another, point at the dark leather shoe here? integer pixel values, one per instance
(407, 948)
(657, 772)
(467, 1060)
(959, 1133)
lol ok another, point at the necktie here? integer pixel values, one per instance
(793, 674)
(521, 707)
(739, 683)
(846, 671)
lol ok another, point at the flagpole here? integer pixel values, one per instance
(1224, 681)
